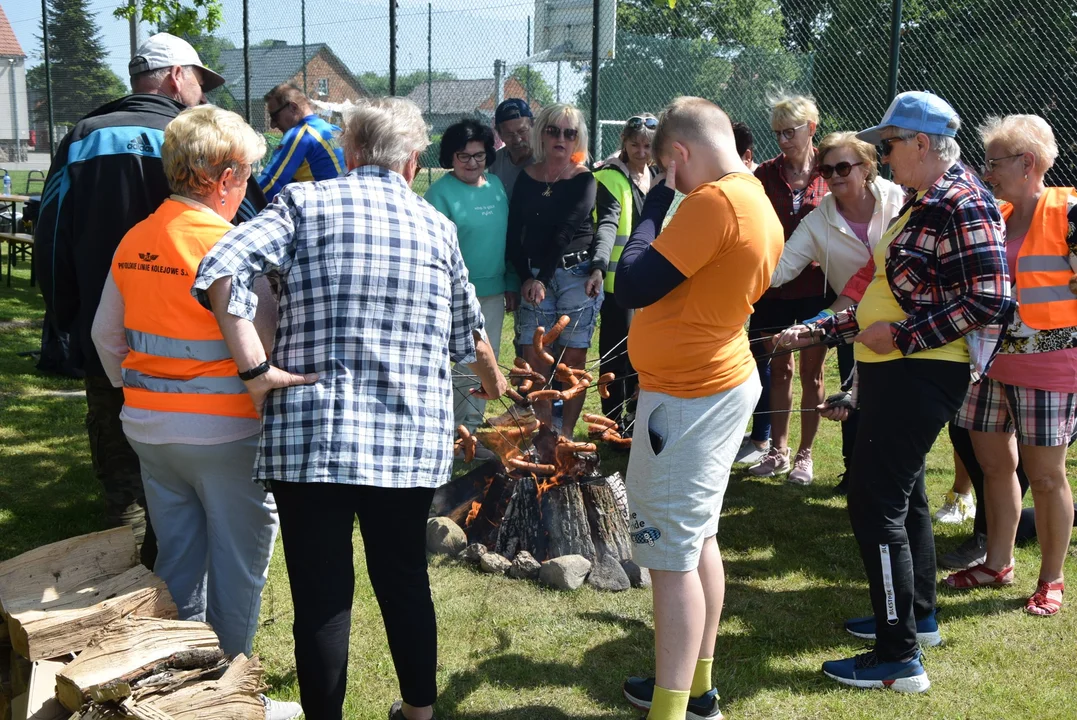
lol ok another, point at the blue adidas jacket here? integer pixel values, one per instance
(309, 151)
(106, 177)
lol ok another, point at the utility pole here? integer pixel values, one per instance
(133, 4)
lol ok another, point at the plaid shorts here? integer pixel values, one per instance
(1042, 418)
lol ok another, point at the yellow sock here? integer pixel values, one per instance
(701, 681)
(668, 704)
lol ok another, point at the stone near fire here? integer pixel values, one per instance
(494, 564)
(444, 537)
(640, 577)
(472, 553)
(525, 567)
(566, 572)
(607, 574)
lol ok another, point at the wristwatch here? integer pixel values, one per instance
(248, 375)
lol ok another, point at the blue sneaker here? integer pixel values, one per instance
(867, 671)
(927, 630)
(640, 692)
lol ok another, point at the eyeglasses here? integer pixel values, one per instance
(274, 113)
(842, 169)
(886, 145)
(989, 165)
(556, 132)
(788, 133)
(636, 122)
(466, 158)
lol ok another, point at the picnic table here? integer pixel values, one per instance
(17, 242)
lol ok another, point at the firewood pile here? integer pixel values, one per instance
(86, 633)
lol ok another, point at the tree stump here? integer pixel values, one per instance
(521, 526)
(564, 518)
(608, 530)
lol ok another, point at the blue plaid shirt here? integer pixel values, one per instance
(375, 299)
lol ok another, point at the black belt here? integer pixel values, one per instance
(573, 259)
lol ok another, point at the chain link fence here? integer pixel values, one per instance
(458, 59)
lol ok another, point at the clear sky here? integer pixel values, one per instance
(466, 39)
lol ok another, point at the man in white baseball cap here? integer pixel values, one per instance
(168, 65)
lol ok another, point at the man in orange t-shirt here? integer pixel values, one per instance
(695, 286)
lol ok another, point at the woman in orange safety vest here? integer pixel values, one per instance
(1031, 388)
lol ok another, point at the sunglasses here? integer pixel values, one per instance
(990, 165)
(636, 122)
(567, 133)
(466, 158)
(842, 169)
(274, 113)
(886, 145)
(788, 133)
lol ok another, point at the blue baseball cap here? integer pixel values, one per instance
(921, 112)
(512, 109)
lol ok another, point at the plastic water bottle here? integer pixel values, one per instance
(7, 184)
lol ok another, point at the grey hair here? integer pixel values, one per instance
(945, 146)
(154, 78)
(385, 131)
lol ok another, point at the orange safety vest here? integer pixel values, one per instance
(178, 361)
(1044, 299)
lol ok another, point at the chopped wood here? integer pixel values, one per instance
(564, 518)
(521, 526)
(125, 646)
(608, 528)
(232, 697)
(66, 624)
(44, 574)
(176, 669)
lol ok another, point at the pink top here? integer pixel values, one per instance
(860, 230)
(1054, 371)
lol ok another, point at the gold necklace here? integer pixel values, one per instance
(549, 185)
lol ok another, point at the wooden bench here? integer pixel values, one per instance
(19, 242)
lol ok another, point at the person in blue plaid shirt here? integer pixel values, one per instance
(375, 305)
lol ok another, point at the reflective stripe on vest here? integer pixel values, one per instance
(621, 189)
(161, 346)
(1044, 300)
(197, 386)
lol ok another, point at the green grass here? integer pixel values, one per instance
(514, 651)
(18, 183)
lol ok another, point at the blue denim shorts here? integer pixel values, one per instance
(565, 295)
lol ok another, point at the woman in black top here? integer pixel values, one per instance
(551, 244)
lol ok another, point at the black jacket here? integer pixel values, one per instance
(106, 177)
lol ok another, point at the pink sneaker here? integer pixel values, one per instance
(774, 462)
(801, 473)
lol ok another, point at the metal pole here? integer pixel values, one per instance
(498, 84)
(594, 77)
(429, 74)
(558, 91)
(895, 50)
(15, 110)
(48, 75)
(133, 31)
(303, 24)
(247, 63)
(528, 76)
(392, 47)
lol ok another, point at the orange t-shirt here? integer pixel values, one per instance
(726, 240)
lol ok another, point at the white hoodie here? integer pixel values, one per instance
(824, 236)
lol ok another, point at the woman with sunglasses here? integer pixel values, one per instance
(476, 202)
(795, 188)
(840, 235)
(624, 179)
(552, 245)
(1027, 407)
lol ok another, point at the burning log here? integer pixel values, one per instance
(521, 526)
(564, 518)
(608, 528)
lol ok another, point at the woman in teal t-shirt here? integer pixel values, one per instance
(477, 204)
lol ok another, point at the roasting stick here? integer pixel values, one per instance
(598, 360)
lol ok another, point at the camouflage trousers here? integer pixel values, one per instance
(116, 465)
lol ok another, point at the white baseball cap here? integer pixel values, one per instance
(164, 50)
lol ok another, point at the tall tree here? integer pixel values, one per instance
(179, 17)
(535, 84)
(81, 79)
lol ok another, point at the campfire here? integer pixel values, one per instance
(544, 494)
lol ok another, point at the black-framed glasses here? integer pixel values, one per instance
(556, 132)
(465, 158)
(274, 113)
(636, 122)
(886, 145)
(842, 169)
(991, 163)
(788, 133)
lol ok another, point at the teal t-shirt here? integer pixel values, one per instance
(481, 215)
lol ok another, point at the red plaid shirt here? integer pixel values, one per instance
(947, 268)
(811, 283)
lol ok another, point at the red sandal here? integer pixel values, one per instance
(1044, 602)
(973, 577)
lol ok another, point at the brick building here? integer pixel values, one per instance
(453, 100)
(328, 79)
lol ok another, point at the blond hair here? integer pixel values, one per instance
(385, 131)
(693, 119)
(204, 141)
(786, 108)
(865, 152)
(549, 115)
(1020, 134)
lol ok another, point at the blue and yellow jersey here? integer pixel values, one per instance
(309, 151)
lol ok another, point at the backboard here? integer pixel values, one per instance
(563, 30)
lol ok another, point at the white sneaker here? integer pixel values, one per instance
(957, 509)
(279, 710)
(750, 453)
(801, 474)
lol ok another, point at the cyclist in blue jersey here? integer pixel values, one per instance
(309, 148)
